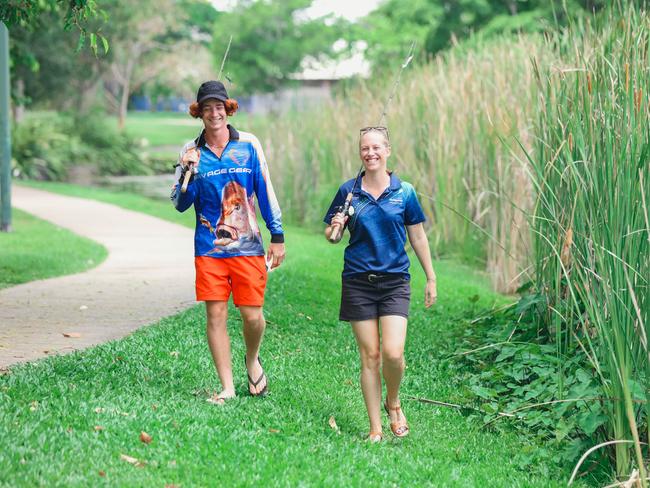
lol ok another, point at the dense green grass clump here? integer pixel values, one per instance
(37, 249)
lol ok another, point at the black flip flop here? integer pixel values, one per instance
(264, 391)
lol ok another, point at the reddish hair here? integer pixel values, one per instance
(196, 108)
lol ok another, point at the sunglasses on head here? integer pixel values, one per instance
(378, 128)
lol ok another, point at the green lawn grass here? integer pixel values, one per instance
(168, 131)
(37, 249)
(162, 128)
(67, 420)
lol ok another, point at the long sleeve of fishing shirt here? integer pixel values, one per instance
(223, 193)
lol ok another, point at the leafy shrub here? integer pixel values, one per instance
(551, 400)
(44, 147)
(113, 152)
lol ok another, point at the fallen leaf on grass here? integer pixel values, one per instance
(174, 353)
(274, 431)
(99, 410)
(172, 486)
(146, 438)
(131, 460)
(102, 473)
(98, 428)
(74, 335)
(333, 425)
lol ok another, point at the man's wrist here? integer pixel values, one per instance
(431, 279)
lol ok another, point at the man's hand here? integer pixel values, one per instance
(190, 163)
(275, 254)
(191, 159)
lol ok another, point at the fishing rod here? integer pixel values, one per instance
(194, 170)
(336, 232)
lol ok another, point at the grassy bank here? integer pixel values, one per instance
(37, 249)
(67, 420)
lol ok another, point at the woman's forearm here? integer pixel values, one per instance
(420, 245)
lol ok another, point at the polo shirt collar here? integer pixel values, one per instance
(394, 185)
(233, 136)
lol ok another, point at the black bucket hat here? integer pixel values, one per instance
(212, 89)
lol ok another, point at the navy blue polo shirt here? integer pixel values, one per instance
(377, 227)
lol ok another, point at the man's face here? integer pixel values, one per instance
(213, 114)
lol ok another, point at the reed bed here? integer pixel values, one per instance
(447, 126)
(590, 220)
(530, 155)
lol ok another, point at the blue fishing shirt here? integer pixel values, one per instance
(377, 227)
(223, 197)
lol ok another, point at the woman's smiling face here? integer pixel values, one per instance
(374, 150)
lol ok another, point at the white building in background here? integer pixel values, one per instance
(314, 83)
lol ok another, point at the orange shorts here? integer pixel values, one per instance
(244, 276)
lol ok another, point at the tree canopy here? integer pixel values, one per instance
(435, 24)
(270, 40)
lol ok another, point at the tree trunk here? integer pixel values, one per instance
(18, 106)
(124, 105)
(126, 91)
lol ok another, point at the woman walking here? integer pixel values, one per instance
(226, 169)
(375, 293)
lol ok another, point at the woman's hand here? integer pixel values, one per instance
(339, 219)
(336, 225)
(430, 293)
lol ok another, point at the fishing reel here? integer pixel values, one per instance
(347, 210)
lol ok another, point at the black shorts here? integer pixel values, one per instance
(370, 296)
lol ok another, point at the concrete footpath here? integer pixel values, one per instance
(148, 275)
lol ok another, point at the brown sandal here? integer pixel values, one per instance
(399, 429)
(375, 437)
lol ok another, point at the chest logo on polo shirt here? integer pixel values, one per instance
(396, 197)
(240, 158)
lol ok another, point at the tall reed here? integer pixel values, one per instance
(447, 124)
(590, 223)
